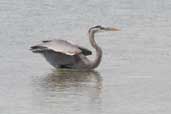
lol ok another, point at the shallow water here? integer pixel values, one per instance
(134, 76)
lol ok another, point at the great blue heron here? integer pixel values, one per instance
(62, 54)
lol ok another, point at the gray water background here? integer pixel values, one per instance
(133, 78)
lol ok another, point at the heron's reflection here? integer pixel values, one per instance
(63, 79)
(77, 89)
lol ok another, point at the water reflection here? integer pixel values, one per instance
(63, 79)
(74, 90)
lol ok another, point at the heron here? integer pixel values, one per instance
(63, 54)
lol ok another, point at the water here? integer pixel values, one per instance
(134, 76)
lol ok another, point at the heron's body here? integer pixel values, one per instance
(62, 54)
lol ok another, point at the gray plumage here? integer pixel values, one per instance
(60, 46)
(62, 54)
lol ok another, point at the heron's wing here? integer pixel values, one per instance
(59, 46)
(84, 50)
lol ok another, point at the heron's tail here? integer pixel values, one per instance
(38, 49)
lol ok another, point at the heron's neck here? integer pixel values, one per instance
(98, 57)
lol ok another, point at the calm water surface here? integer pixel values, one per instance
(133, 78)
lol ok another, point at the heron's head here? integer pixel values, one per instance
(99, 28)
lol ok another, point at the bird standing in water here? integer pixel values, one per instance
(62, 54)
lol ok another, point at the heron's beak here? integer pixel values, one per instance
(111, 29)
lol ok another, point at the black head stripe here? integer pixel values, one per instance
(97, 26)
